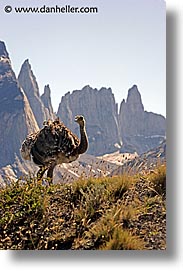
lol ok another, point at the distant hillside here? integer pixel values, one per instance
(85, 167)
(145, 162)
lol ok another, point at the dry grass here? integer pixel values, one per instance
(158, 180)
(87, 214)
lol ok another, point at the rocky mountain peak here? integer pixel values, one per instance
(27, 79)
(134, 99)
(87, 88)
(46, 99)
(42, 109)
(8, 81)
(16, 117)
(96, 105)
(3, 51)
(140, 130)
(47, 91)
(5, 63)
(26, 66)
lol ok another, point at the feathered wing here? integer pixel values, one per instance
(52, 139)
(27, 145)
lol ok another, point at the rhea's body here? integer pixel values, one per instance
(54, 144)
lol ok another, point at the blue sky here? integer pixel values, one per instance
(122, 45)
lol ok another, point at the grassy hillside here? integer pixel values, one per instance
(119, 212)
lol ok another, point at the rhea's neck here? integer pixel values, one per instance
(83, 146)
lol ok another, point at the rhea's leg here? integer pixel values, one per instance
(41, 172)
(50, 171)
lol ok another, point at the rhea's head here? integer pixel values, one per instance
(80, 120)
